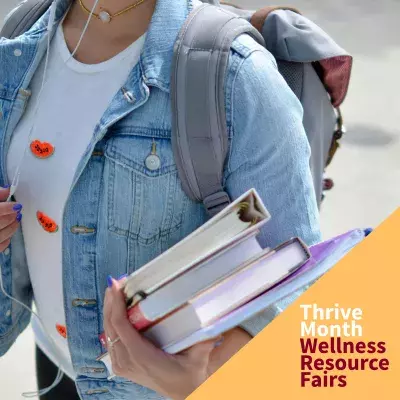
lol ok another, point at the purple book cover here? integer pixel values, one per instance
(323, 250)
(324, 256)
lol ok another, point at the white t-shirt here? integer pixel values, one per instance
(73, 101)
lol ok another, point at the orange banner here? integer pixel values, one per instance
(341, 339)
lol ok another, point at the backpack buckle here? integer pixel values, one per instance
(337, 135)
(216, 202)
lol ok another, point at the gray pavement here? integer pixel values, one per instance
(367, 168)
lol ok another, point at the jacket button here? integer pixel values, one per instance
(130, 98)
(97, 391)
(90, 370)
(83, 302)
(82, 230)
(6, 252)
(8, 313)
(153, 162)
(17, 52)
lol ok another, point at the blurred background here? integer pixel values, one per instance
(366, 170)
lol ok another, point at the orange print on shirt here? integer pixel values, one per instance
(62, 330)
(42, 149)
(47, 223)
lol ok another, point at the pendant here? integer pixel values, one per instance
(46, 222)
(104, 16)
(41, 149)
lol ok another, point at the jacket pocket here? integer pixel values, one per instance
(145, 201)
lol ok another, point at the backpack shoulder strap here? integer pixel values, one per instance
(22, 18)
(200, 139)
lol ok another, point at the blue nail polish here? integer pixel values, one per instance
(368, 231)
(109, 280)
(6, 186)
(218, 343)
(17, 207)
(19, 217)
(123, 277)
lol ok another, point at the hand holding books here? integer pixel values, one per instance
(137, 359)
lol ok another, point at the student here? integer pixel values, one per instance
(92, 206)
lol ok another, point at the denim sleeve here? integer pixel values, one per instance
(269, 151)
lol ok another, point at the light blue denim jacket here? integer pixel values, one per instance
(129, 214)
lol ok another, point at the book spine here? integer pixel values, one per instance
(136, 318)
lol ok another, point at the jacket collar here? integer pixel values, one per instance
(156, 59)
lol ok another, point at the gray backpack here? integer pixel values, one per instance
(313, 65)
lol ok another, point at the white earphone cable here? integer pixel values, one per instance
(15, 181)
(50, 25)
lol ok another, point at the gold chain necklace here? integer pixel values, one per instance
(105, 16)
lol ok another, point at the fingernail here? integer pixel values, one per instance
(368, 231)
(109, 281)
(123, 277)
(5, 186)
(17, 207)
(218, 343)
(19, 217)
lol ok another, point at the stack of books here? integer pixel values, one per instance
(219, 276)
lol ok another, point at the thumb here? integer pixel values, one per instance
(4, 192)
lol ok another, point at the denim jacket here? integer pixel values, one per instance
(120, 214)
